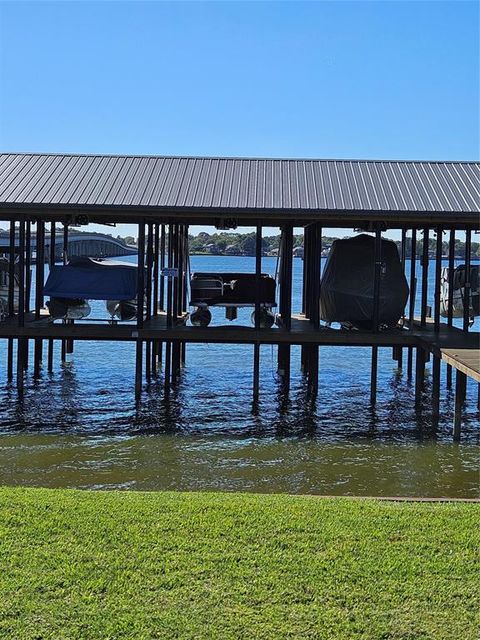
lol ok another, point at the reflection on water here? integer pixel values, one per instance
(79, 427)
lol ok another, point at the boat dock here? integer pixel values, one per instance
(162, 196)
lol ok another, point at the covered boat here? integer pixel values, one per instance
(4, 288)
(70, 286)
(231, 290)
(347, 284)
(458, 291)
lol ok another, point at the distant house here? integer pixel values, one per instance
(298, 252)
(213, 249)
(233, 250)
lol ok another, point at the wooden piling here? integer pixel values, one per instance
(28, 285)
(256, 346)
(11, 270)
(140, 308)
(21, 303)
(466, 297)
(169, 305)
(148, 297)
(285, 303)
(413, 292)
(52, 256)
(460, 392)
(436, 365)
(176, 347)
(419, 376)
(156, 271)
(376, 311)
(451, 267)
(373, 376)
(256, 372)
(425, 261)
(63, 351)
(11, 296)
(39, 278)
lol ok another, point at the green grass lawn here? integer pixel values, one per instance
(98, 565)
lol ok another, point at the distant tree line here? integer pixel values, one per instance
(243, 244)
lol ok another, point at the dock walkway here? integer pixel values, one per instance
(457, 348)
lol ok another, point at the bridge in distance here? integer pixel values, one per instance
(94, 245)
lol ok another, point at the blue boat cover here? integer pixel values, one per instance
(92, 280)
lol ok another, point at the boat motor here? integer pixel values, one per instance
(123, 310)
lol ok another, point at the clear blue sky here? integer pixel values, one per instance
(317, 79)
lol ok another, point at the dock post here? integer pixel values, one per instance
(285, 305)
(398, 352)
(64, 260)
(436, 366)
(256, 373)
(21, 303)
(161, 289)
(306, 280)
(140, 307)
(11, 296)
(51, 264)
(149, 290)
(28, 284)
(460, 392)
(39, 278)
(425, 261)
(138, 368)
(413, 291)
(451, 267)
(168, 345)
(176, 348)
(156, 265)
(376, 311)
(313, 352)
(11, 271)
(466, 299)
(373, 376)
(256, 346)
(436, 370)
(419, 376)
(438, 275)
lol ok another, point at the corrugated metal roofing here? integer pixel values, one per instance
(238, 183)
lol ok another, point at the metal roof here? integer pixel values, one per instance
(194, 183)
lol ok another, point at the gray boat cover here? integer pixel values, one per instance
(88, 279)
(346, 293)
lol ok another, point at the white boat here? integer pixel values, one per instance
(458, 294)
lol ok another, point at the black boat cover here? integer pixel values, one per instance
(238, 288)
(346, 293)
(90, 279)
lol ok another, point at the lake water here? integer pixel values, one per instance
(80, 427)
